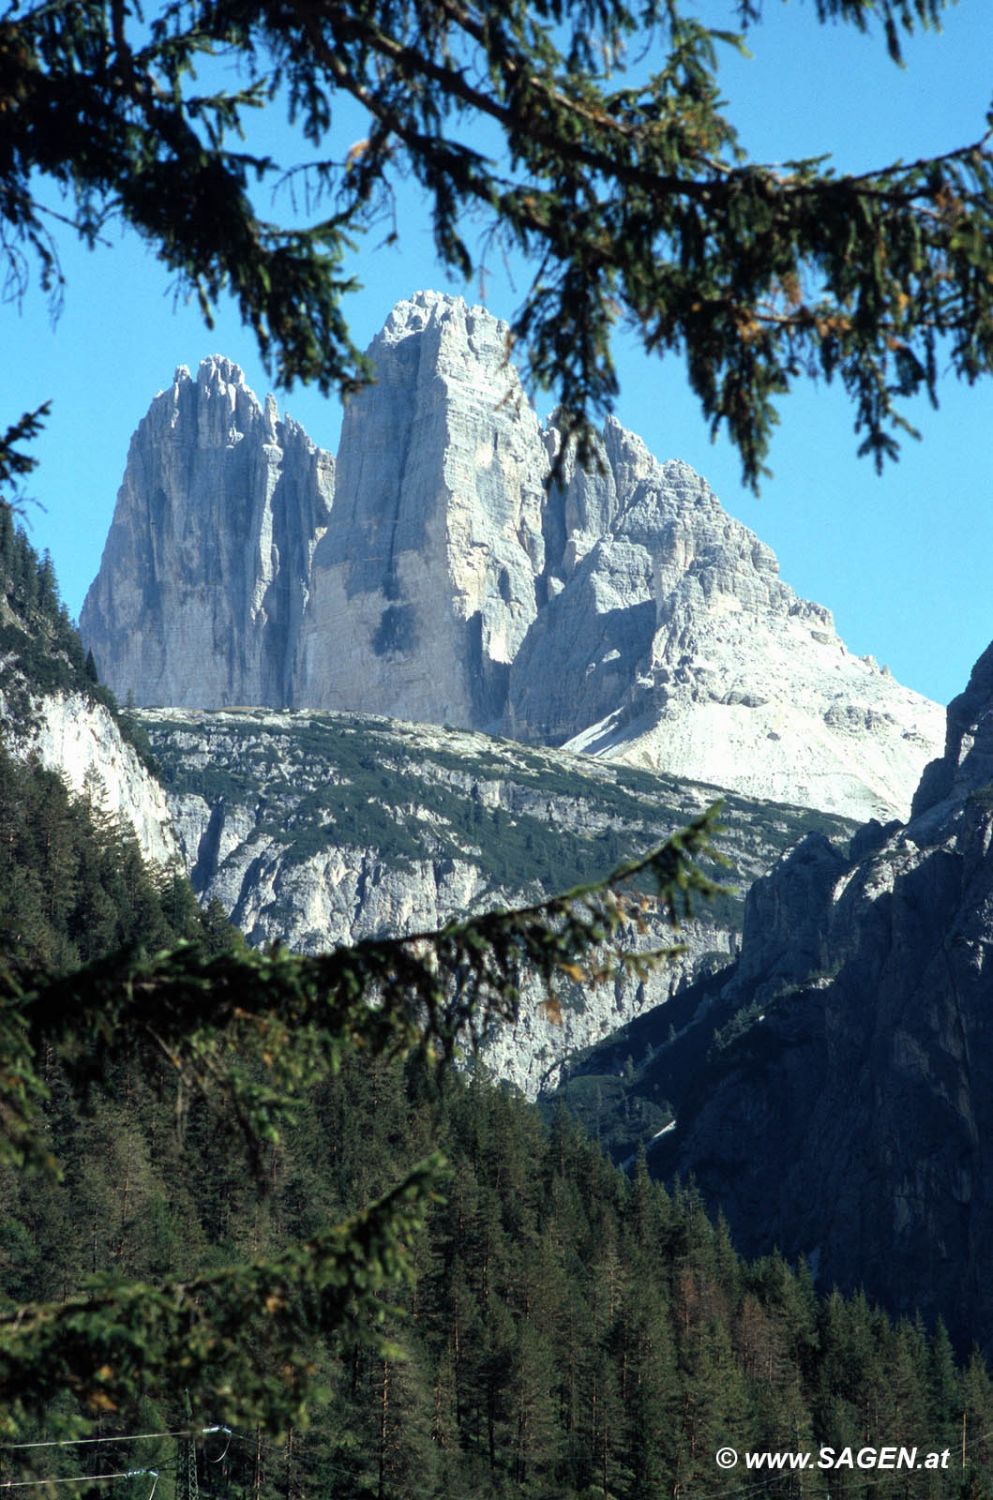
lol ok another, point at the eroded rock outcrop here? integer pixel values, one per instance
(319, 829)
(74, 736)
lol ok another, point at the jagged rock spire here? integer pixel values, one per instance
(204, 574)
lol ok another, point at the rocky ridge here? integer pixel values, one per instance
(844, 1102)
(319, 829)
(623, 613)
(677, 642)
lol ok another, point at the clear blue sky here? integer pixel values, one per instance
(903, 561)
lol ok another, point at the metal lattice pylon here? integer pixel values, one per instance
(187, 1484)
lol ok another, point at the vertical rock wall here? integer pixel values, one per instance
(204, 574)
(424, 585)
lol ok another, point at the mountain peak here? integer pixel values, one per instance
(412, 315)
(203, 576)
(622, 611)
(216, 373)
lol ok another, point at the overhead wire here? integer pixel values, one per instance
(24, 1484)
(222, 1456)
(128, 1437)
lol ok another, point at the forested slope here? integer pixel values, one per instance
(73, 884)
(571, 1332)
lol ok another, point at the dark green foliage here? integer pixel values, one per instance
(15, 464)
(73, 887)
(629, 192)
(559, 1330)
(253, 1034)
(213, 1331)
(37, 640)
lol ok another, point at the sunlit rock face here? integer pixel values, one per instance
(204, 575)
(79, 739)
(424, 585)
(670, 642)
(620, 611)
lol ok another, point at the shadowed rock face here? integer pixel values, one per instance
(204, 575)
(623, 613)
(852, 1123)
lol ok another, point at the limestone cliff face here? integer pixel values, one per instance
(69, 733)
(320, 829)
(624, 613)
(204, 574)
(51, 714)
(424, 585)
(81, 741)
(672, 642)
(851, 1119)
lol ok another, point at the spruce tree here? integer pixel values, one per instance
(630, 193)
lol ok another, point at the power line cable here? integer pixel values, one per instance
(23, 1484)
(127, 1437)
(130, 1437)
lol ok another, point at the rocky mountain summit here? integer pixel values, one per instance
(205, 571)
(319, 829)
(842, 1103)
(675, 640)
(425, 581)
(622, 612)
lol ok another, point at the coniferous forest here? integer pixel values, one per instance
(73, 886)
(572, 1330)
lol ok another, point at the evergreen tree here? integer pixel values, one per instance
(630, 192)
